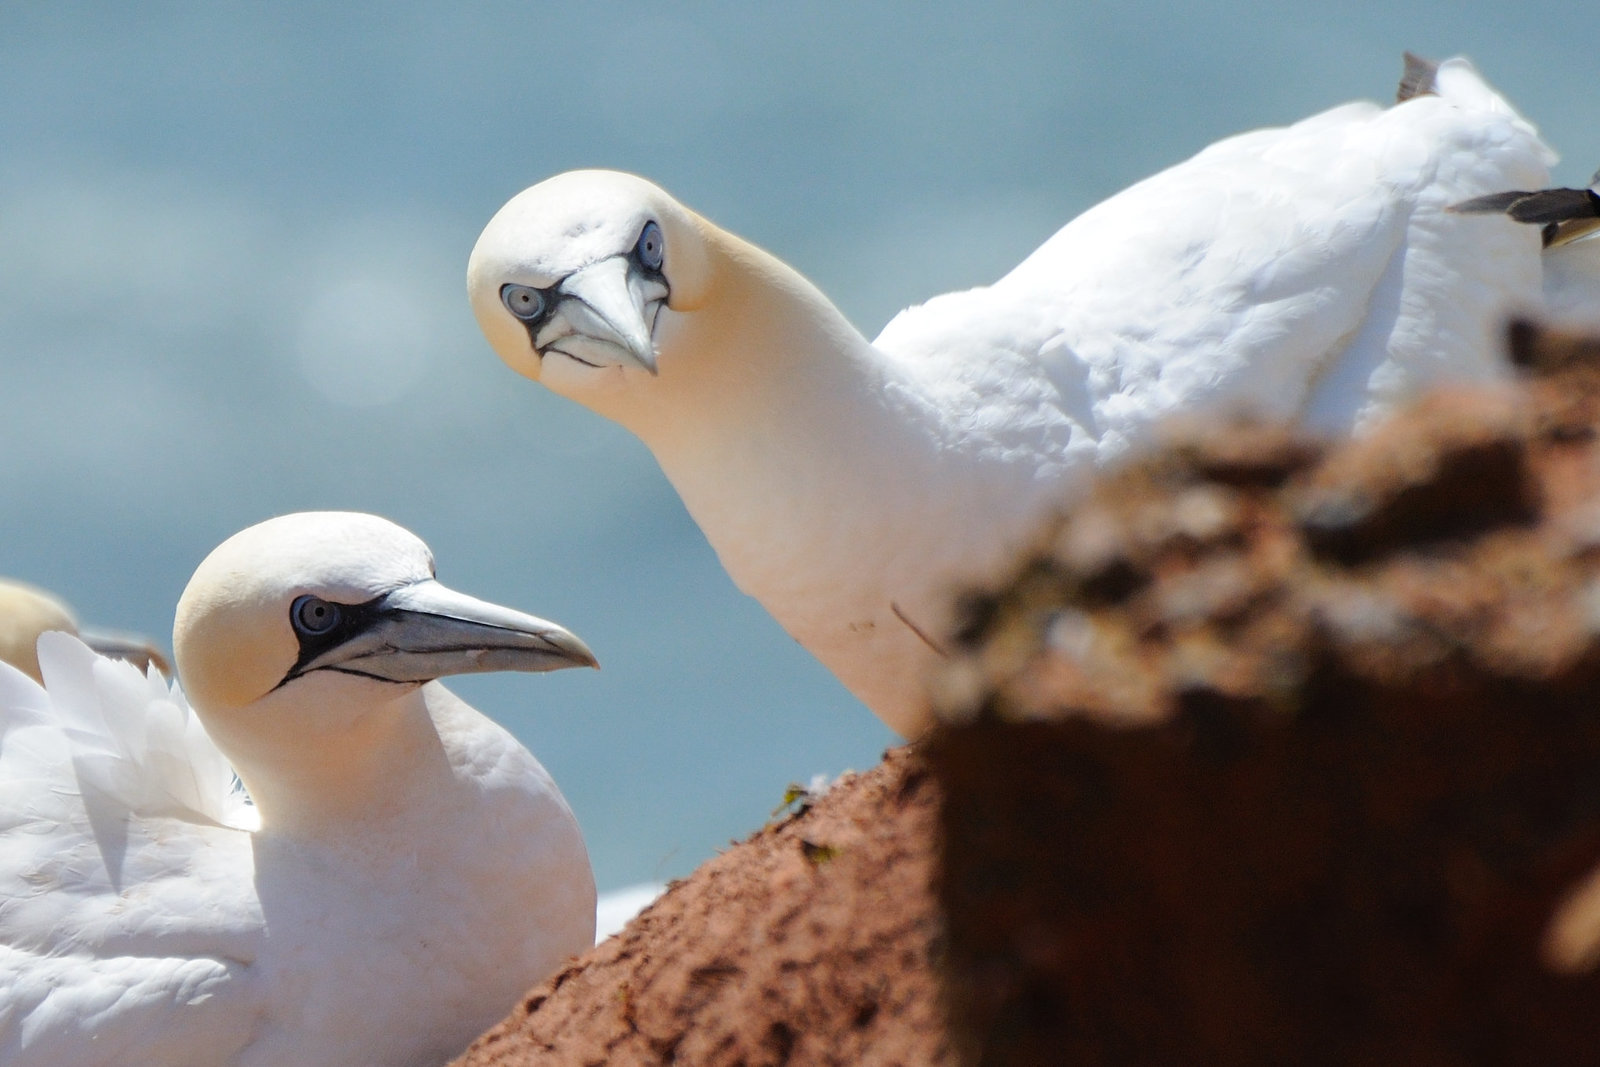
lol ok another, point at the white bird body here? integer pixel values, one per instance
(1311, 272)
(400, 879)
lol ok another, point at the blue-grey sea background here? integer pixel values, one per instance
(232, 244)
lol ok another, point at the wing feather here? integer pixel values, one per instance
(128, 919)
(1310, 271)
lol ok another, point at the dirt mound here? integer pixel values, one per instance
(1282, 753)
(810, 942)
(1274, 752)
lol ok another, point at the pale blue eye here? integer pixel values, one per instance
(651, 248)
(523, 301)
(313, 616)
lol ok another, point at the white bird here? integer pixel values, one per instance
(401, 871)
(27, 611)
(852, 487)
(615, 909)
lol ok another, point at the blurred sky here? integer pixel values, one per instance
(232, 247)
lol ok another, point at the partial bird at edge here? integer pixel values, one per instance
(26, 611)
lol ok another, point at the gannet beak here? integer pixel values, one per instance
(604, 316)
(131, 647)
(424, 631)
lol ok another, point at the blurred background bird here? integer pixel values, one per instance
(231, 244)
(26, 612)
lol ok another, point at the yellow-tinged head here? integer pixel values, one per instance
(320, 593)
(580, 269)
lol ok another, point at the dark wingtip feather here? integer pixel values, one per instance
(1556, 205)
(1539, 206)
(1564, 214)
(1494, 203)
(1417, 79)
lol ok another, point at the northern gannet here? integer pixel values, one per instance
(27, 611)
(401, 871)
(1311, 272)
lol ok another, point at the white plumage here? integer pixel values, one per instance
(1312, 272)
(405, 871)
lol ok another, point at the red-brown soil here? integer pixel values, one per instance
(810, 942)
(1274, 752)
(1278, 753)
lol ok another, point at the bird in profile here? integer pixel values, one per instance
(1312, 272)
(388, 872)
(27, 611)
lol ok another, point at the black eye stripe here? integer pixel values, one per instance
(352, 619)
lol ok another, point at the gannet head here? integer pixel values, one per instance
(576, 276)
(308, 622)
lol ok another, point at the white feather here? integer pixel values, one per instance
(121, 845)
(135, 745)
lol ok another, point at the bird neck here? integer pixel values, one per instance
(761, 343)
(767, 384)
(312, 782)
